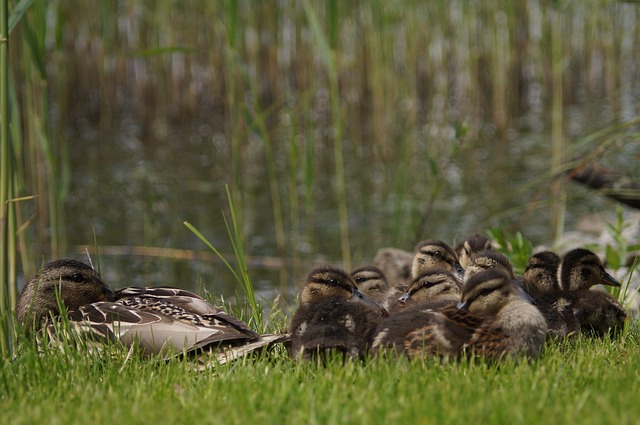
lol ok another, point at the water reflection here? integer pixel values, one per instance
(446, 131)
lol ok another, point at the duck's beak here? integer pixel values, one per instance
(358, 296)
(607, 279)
(109, 295)
(405, 297)
(462, 305)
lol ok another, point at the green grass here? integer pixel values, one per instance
(588, 381)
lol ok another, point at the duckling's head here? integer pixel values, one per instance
(432, 285)
(542, 271)
(67, 281)
(581, 269)
(370, 279)
(467, 249)
(486, 292)
(325, 282)
(489, 259)
(434, 254)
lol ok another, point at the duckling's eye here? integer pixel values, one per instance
(333, 282)
(359, 279)
(484, 292)
(437, 254)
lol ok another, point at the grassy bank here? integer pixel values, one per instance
(585, 381)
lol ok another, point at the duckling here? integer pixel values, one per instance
(491, 320)
(575, 307)
(372, 282)
(161, 320)
(541, 274)
(439, 288)
(513, 327)
(467, 249)
(333, 316)
(434, 254)
(486, 260)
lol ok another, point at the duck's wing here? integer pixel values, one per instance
(156, 333)
(159, 298)
(225, 354)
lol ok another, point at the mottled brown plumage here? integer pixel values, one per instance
(468, 248)
(576, 307)
(333, 316)
(434, 254)
(161, 320)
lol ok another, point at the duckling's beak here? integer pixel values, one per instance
(458, 270)
(404, 297)
(360, 297)
(607, 279)
(462, 305)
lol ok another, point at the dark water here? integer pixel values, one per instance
(452, 137)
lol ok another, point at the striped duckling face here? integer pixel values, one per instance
(434, 254)
(542, 271)
(72, 282)
(370, 280)
(487, 260)
(581, 269)
(468, 248)
(432, 285)
(325, 282)
(486, 292)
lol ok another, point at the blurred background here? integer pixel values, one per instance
(337, 127)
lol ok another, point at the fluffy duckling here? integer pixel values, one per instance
(372, 282)
(486, 260)
(162, 320)
(491, 320)
(512, 326)
(467, 249)
(575, 307)
(333, 316)
(541, 274)
(438, 288)
(434, 254)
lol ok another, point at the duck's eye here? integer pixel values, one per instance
(77, 278)
(359, 279)
(333, 282)
(437, 254)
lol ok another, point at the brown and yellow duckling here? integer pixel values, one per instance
(486, 260)
(491, 320)
(333, 316)
(541, 274)
(472, 245)
(162, 320)
(372, 282)
(438, 288)
(576, 307)
(435, 254)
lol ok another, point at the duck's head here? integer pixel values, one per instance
(469, 247)
(581, 269)
(487, 260)
(434, 254)
(486, 292)
(369, 279)
(325, 282)
(432, 285)
(69, 282)
(542, 271)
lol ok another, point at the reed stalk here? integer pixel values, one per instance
(5, 181)
(558, 194)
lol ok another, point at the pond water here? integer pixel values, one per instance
(444, 118)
